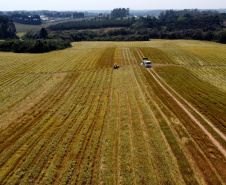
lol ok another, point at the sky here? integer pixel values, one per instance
(10, 5)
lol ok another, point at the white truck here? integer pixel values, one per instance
(146, 62)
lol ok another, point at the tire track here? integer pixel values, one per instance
(117, 137)
(204, 164)
(207, 121)
(159, 171)
(217, 144)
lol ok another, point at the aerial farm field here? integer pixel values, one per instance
(67, 117)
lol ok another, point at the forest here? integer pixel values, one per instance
(34, 46)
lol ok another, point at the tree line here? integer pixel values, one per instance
(25, 19)
(34, 46)
(65, 15)
(122, 34)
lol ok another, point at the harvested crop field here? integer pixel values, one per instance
(67, 117)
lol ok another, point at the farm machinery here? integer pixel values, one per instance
(115, 66)
(146, 62)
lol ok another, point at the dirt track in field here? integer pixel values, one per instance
(215, 66)
(216, 129)
(217, 144)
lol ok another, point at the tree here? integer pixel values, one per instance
(43, 33)
(11, 29)
(7, 28)
(221, 36)
(119, 12)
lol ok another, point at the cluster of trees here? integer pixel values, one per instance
(34, 46)
(42, 34)
(65, 14)
(91, 24)
(25, 19)
(119, 13)
(7, 28)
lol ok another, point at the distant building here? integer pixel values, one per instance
(44, 18)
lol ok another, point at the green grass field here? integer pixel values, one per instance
(67, 117)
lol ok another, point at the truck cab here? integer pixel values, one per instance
(146, 62)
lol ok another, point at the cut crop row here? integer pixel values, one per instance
(205, 97)
(165, 99)
(67, 127)
(196, 133)
(26, 131)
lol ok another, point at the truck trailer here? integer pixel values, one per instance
(146, 62)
